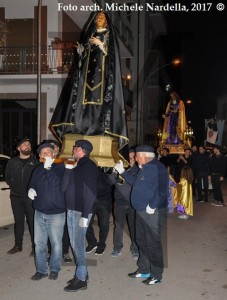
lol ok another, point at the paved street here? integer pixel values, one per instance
(196, 265)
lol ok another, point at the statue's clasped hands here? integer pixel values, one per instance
(94, 41)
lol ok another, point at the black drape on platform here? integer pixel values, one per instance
(91, 102)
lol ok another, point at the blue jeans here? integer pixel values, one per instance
(48, 226)
(77, 236)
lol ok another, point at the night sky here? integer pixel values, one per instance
(200, 39)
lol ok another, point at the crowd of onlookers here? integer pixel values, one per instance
(208, 166)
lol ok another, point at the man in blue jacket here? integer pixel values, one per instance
(80, 187)
(149, 199)
(49, 205)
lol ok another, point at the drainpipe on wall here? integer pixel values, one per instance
(39, 72)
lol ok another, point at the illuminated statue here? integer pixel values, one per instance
(92, 100)
(175, 121)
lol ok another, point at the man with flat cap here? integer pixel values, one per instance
(65, 239)
(49, 205)
(149, 199)
(79, 185)
(18, 172)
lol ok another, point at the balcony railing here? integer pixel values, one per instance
(17, 60)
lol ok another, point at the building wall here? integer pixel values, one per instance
(51, 84)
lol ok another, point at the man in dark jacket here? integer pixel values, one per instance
(149, 199)
(201, 167)
(165, 158)
(49, 204)
(18, 172)
(80, 187)
(182, 161)
(216, 174)
(123, 210)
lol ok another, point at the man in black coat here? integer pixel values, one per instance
(201, 166)
(80, 187)
(217, 172)
(18, 173)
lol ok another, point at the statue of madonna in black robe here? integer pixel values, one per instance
(92, 102)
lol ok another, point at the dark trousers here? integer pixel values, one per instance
(65, 239)
(216, 183)
(200, 187)
(123, 213)
(102, 210)
(22, 207)
(148, 238)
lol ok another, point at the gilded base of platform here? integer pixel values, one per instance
(105, 148)
(174, 149)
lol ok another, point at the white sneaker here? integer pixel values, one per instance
(115, 253)
(183, 216)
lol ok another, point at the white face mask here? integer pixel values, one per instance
(174, 101)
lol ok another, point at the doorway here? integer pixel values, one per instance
(18, 118)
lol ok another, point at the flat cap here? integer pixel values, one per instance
(84, 144)
(144, 148)
(23, 140)
(54, 142)
(45, 145)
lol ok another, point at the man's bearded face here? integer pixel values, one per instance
(26, 151)
(25, 148)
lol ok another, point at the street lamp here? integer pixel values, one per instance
(174, 62)
(188, 134)
(159, 135)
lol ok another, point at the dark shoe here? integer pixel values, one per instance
(74, 278)
(217, 203)
(137, 274)
(89, 248)
(76, 285)
(67, 258)
(38, 276)
(53, 275)
(99, 251)
(151, 281)
(15, 249)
